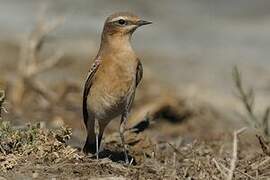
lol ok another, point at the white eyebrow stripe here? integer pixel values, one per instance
(117, 18)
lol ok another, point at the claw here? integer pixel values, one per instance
(126, 156)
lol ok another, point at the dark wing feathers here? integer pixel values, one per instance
(139, 73)
(87, 86)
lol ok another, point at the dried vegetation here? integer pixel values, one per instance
(247, 98)
(42, 153)
(2, 100)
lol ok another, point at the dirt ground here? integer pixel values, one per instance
(161, 152)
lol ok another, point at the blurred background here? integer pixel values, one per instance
(188, 51)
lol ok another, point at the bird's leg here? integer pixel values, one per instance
(97, 136)
(122, 130)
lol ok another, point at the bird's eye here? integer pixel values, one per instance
(121, 22)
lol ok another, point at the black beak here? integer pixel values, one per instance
(142, 22)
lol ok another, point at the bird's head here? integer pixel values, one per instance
(123, 24)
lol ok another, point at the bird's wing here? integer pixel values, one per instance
(139, 72)
(87, 86)
(139, 75)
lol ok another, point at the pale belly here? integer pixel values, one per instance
(108, 101)
(106, 107)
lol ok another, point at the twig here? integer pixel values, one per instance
(218, 166)
(245, 174)
(176, 150)
(234, 156)
(174, 173)
(185, 172)
(228, 173)
(264, 162)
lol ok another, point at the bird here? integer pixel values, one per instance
(111, 83)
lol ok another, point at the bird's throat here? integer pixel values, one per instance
(116, 43)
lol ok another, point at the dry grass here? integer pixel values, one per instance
(247, 98)
(18, 145)
(2, 100)
(41, 153)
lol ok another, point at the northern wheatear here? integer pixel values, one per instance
(112, 80)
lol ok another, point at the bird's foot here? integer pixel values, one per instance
(126, 157)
